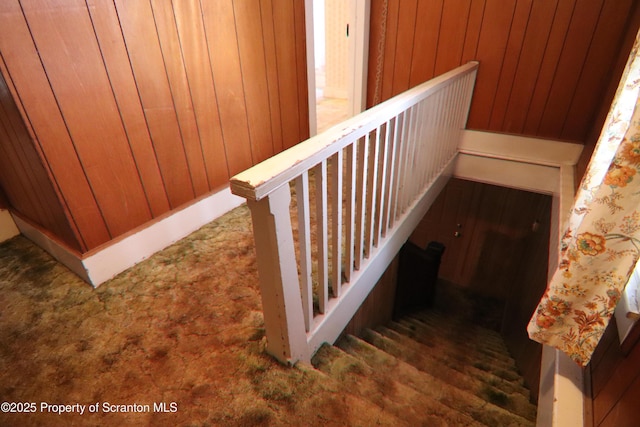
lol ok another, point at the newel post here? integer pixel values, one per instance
(278, 273)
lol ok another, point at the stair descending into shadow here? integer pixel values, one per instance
(430, 369)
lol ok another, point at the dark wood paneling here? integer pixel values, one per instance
(615, 379)
(543, 64)
(493, 223)
(625, 413)
(140, 107)
(377, 308)
(497, 254)
(4, 204)
(529, 284)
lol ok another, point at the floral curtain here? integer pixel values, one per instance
(601, 245)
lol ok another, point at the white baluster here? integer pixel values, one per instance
(322, 238)
(361, 197)
(372, 181)
(336, 222)
(304, 237)
(350, 208)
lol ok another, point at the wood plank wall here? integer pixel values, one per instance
(28, 188)
(614, 381)
(544, 65)
(493, 223)
(138, 107)
(497, 254)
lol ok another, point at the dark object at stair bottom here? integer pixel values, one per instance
(417, 277)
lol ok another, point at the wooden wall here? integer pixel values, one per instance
(377, 308)
(493, 224)
(28, 188)
(138, 107)
(497, 254)
(614, 374)
(544, 65)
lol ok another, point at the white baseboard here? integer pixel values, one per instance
(105, 262)
(8, 228)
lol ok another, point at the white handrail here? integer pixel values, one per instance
(360, 189)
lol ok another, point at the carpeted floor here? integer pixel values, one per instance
(183, 328)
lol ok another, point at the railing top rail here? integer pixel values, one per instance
(260, 180)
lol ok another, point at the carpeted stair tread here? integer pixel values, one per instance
(457, 354)
(469, 350)
(433, 318)
(458, 328)
(447, 392)
(454, 331)
(361, 411)
(514, 399)
(459, 332)
(402, 401)
(470, 342)
(424, 355)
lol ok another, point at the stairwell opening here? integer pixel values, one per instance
(492, 272)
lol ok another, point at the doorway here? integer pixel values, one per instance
(338, 38)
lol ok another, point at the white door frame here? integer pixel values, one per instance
(359, 16)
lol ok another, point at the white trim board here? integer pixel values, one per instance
(508, 173)
(8, 228)
(524, 149)
(105, 262)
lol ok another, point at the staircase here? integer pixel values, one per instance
(429, 368)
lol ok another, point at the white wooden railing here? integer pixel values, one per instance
(360, 190)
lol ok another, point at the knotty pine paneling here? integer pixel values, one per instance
(544, 65)
(137, 108)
